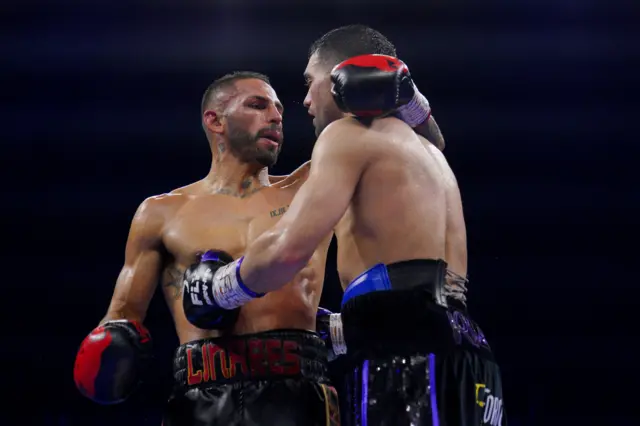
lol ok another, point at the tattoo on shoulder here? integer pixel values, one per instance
(173, 281)
(278, 212)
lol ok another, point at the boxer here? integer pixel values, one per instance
(260, 367)
(418, 358)
(259, 364)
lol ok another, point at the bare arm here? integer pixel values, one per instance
(300, 173)
(337, 163)
(430, 130)
(276, 178)
(142, 265)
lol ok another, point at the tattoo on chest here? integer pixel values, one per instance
(246, 188)
(173, 281)
(227, 191)
(278, 212)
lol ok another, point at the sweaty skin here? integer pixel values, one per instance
(406, 206)
(388, 193)
(227, 210)
(169, 231)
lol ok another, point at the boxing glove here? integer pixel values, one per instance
(212, 292)
(329, 327)
(112, 361)
(370, 86)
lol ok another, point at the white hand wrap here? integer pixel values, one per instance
(337, 337)
(417, 111)
(228, 289)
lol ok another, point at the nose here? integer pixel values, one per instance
(275, 116)
(307, 100)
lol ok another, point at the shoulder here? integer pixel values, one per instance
(350, 133)
(346, 138)
(155, 210)
(298, 176)
(343, 129)
(302, 170)
(148, 224)
(191, 189)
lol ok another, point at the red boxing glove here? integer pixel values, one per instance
(112, 360)
(376, 85)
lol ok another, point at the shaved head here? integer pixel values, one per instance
(222, 89)
(349, 41)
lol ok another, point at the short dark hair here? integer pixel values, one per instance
(349, 41)
(226, 82)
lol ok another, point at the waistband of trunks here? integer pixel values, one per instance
(405, 322)
(260, 356)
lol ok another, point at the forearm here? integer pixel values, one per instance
(430, 130)
(124, 306)
(271, 262)
(123, 313)
(268, 264)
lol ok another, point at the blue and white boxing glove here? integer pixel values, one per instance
(329, 327)
(213, 291)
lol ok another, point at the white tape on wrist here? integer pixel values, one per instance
(228, 291)
(417, 111)
(337, 337)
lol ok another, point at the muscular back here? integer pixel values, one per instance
(406, 206)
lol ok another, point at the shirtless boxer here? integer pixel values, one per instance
(265, 340)
(397, 213)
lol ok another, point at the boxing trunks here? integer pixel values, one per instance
(270, 378)
(416, 357)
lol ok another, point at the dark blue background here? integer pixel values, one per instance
(536, 101)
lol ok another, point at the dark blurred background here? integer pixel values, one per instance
(534, 97)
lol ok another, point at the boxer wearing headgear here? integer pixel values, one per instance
(417, 357)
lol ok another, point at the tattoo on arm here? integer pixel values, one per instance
(173, 281)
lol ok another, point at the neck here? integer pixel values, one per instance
(231, 177)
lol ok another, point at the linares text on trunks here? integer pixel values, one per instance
(250, 359)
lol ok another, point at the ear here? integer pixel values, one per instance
(213, 121)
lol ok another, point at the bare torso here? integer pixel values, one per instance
(407, 206)
(196, 221)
